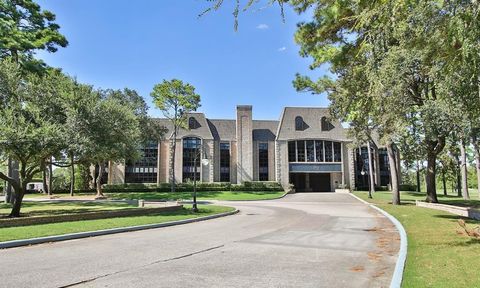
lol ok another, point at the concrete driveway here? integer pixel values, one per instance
(302, 240)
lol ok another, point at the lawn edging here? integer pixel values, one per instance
(71, 236)
(402, 253)
(250, 200)
(457, 210)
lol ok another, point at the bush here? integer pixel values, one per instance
(408, 187)
(186, 187)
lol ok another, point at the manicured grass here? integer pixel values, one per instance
(437, 255)
(204, 195)
(55, 208)
(451, 199)
(33, 231)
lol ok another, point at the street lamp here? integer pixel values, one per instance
(196, 156)
(363, 172)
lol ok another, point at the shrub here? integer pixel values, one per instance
(408, 187)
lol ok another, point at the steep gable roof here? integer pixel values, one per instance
(312, 126)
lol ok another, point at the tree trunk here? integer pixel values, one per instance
(477, 163)
(434, 147)
(430, 177)
(101, 168)
(50, 177)
(459, 181)
(44, 176)
(418, 178)
(463, 169)
(173, 147)
(72, 175)
(444, 182)
(12, 171)
(392, 161)
(371, 189)
(17, 203)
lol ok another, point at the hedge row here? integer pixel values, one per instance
(187, 187)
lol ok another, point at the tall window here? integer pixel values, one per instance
(299, 123)
(314, 151)
(301, 151)
(224, 162)
(263, 161)
(328, 151)
(292, 151)
(191, 157)
(310, 151)
(337, 152)
(143, 170)
(319, 150)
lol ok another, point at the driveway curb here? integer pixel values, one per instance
(56, 238)
(402, 253)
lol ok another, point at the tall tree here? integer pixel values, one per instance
(26, 28)
(112, 133)
(28, 133)
(175, 99)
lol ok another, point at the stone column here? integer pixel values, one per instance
(244, 144)
(351, 168)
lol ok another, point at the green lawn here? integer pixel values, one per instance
(437, 255)
(204, 195)
(55, 208)
(32, 231)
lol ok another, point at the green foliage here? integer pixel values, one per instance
(175, 99)
(25, 28)
(185, 187)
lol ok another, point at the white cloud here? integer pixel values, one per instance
(281, 49)
(262, 26)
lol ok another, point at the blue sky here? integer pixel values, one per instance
(136, 44)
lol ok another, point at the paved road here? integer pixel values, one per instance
(302, 240)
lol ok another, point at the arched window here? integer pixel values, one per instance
(299, 123)
(192, 123)
(326, 125)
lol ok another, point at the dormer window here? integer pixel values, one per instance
(326, 125)
(299, 124)
(192, 123)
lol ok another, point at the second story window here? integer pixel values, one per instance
(299, 124)
(192, 123)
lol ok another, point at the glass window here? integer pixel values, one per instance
(310, 151)
(143, 170)
(292, 151)
(299, 123)
(326, 125)
(224, 162)
(192, 123)
(263, 161)
(191, 159)
(319, 151)
(328, 151)
(337, 152)
(301, 151)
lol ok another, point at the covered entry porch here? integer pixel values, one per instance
(315, 177)
(311, 182)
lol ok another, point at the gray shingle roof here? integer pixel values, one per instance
(264, 130)
(312, 120)
(202, 131)
(223, 129)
